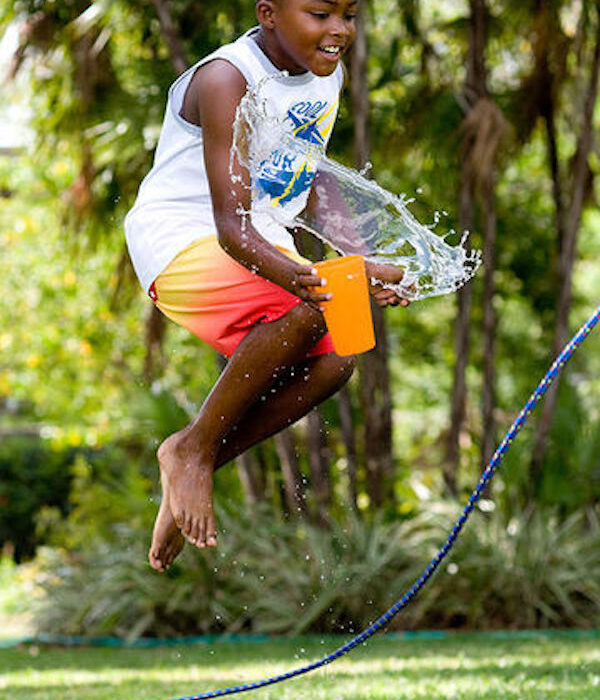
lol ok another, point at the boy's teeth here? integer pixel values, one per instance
(331, 49)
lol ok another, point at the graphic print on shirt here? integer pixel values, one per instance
(289, 172)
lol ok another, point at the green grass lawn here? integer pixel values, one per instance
(458, 666)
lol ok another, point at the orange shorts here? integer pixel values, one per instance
(206, 291)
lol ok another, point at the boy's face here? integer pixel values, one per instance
(308, 34)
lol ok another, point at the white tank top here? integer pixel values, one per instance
(173, 207)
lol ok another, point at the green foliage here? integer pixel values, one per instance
(12, 590)
(42, 483)
(33, 476)
(106, 490)
(273, 576)
(532, 567)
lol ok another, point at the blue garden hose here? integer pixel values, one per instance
(486, 477)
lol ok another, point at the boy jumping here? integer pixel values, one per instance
(241, 286)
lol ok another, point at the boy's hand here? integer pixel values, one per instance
(305, 284)
(386, 297)
(385, 273)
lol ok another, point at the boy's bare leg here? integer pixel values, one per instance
(302, 388)
(188, 458)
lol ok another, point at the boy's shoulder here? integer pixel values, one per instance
(213, 74)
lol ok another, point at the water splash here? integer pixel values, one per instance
(356, 215)
(351, 213)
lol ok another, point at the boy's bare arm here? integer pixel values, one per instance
(219, 87)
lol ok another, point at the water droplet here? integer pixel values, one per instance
(368, 166)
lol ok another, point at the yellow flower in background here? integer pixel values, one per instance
(69, 278)
(33, 360)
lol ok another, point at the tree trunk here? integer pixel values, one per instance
(155, 331)
(344, 403)
(293, 482)
(247, 469)
(376, 404)
(461, 351)
(489, 321)
(374, 373)
(553, 162)
(359, 89)
(319, 460)
(475, 89)
(171, 36)
(567, 255)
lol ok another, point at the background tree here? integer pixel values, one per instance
(568, 219)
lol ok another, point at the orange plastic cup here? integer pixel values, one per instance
(348, 312)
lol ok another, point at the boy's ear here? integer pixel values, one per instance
(264, 13)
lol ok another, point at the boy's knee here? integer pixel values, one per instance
(345, 367)
(338, 368)
(309, 320)
(348, 365)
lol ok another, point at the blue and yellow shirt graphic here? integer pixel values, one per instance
(289, 172)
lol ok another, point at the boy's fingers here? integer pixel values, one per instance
(315, 297)
(388, 297)
(310, 280)
(306, 271)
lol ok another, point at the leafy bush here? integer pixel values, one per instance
(33, 476)
(281, 577)
(534, 570)
(12, 595)
(36, 485)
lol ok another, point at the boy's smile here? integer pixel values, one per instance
(306, 35)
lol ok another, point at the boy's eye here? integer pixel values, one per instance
(320, 15)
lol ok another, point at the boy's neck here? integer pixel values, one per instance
(267, 44)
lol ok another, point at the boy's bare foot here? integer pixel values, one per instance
(190, 484)
(167, 541)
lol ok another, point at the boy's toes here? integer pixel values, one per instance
(187, 527)
(194, 532)
(211, 531)
(201, 539)
(155, 561)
